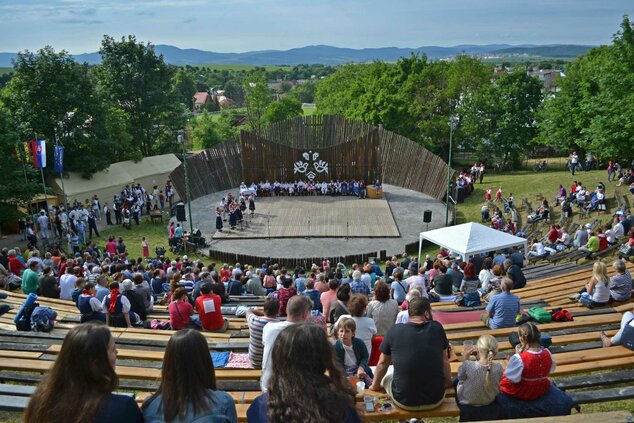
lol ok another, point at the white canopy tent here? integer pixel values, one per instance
(470, 239)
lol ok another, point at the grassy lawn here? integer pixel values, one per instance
(529, 184)
(155, 234)
(309, 110)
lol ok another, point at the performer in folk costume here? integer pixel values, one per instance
(252, 203)
(219, 219)
(232, 216)
(223, 208)
(239, 215)
(243, 203)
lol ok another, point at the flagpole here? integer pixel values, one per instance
(23, 153)
(61, 173)
(43, 181)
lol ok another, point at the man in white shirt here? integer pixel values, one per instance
(419, 280)
(237, 272)
(297, 311)
(67, 283)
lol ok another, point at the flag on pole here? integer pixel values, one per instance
(59, 159)
(37, 151)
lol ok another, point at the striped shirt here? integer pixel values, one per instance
(256, 348)
(503, 308)
(188, 285)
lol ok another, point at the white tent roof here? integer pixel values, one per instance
(471, 238)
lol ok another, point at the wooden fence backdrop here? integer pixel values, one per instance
(410, 165)
(329, 148)
(353, 149)
(212, 170)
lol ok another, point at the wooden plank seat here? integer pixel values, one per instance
(453, 333)
(129, 372)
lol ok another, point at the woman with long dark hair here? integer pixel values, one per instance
(303, 362)
(79, 386)
(188, 385)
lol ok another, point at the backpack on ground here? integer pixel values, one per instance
(561, 315)
(43, 319)
(540, 315)
(23, 324)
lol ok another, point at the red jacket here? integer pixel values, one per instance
(15, 265)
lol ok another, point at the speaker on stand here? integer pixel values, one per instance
(427, 217)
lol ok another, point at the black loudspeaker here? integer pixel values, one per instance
(427, 216)
(180, 212)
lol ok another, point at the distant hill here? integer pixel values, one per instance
(329, 55)
(564, 50)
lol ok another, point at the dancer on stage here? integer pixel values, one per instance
(252, 204)
(219, 219)
(233, 217)
(238, 208)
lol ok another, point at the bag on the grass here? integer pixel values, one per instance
(540, 314)
(627, 336)
(561, 315)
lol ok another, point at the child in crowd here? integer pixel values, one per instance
(352, 352)
(145, 248)
(478, 381)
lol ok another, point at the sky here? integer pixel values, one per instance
(78, 26)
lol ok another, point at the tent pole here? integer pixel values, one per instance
(420, 247)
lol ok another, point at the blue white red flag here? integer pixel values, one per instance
(59, 159)
(37, 151)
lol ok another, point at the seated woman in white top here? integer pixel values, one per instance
(596, 293)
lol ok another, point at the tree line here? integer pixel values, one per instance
(501, 116)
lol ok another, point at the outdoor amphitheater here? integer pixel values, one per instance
(306, 229)
(301, 230)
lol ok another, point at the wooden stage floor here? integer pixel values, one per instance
(320, 216)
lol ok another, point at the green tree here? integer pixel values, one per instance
(138, 82)
(286, 108)
(205, 131)
(257, 99)
(304, 93)
(52, 96)
(594, 109)
(14, 190)
(502, 116)
(209, 130)
(185, 87)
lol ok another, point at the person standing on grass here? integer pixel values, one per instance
(145, 248)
